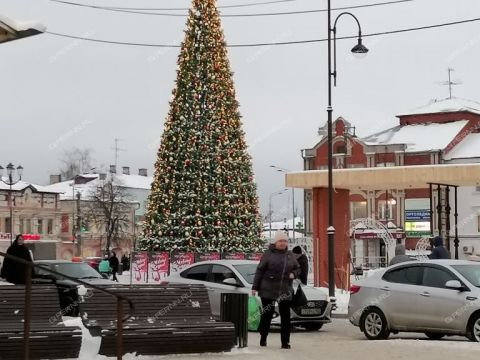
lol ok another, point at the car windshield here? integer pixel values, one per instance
(469, 272)
(247, 271)
(76, 270)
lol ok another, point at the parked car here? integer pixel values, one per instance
(237, 276)
(93, 261)
(68, 289)
(435, 297)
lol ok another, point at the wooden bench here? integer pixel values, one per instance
(49, 338)
(167, 319)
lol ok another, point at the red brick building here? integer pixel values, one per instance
(442, 132)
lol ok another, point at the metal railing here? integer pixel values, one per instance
(28, 292)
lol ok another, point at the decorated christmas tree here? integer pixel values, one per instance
(203, 196)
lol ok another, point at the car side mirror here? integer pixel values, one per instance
(454, 285)
(231, 281)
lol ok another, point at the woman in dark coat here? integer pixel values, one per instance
(273, 281)
(303, 262)
(13, 271)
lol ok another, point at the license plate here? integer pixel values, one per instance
(311, 311)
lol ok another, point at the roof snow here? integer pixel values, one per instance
(446, 106)
(466, 149)
(419, 137)
(12, 26)
(68, 189)
(22, 185)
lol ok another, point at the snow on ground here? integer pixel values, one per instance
(342, 298)
(438, 345)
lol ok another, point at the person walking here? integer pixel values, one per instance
(303, 262)
(15, 272)
(104, 267)
(114, 265)
(439, 251)
(400, 255)
(275, 273)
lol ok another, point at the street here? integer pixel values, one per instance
(341, 341)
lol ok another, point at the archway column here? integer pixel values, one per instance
(341, 223)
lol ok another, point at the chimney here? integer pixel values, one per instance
(55, 179)
(126, 170)
(103, 176)
(113, 169)
(142, 172)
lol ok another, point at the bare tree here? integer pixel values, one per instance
(109, 208)
(75, 161)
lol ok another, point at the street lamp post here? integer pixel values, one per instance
(272, 195)
(360, 50)
(10, 183)
(282, 170)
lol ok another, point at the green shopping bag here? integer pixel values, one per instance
(254, 313)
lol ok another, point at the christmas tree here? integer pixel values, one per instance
(203, 196)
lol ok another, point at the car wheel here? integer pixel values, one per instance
(473, 330)
(312, 327)
(434, 336)
(374, 325)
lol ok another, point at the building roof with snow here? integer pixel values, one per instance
(22, 185)
(448, 105)
(86, 184)
(418, 137)
(469, 148)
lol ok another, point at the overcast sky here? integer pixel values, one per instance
(57, 93)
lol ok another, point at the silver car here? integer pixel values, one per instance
(435, 297)
(224, 276)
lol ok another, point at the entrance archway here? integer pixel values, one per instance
(374, 229)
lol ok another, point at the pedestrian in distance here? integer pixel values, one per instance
(114, 263)
(273, 280)
(104, 267)
(15, 272)
(400, 255)
(439, 251)
(125, 263)
(303, 262)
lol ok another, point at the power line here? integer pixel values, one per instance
(272, 43)
(134, 11)
(174, 9)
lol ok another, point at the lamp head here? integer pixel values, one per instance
(20, 171)
(359, 50)
(10, 169)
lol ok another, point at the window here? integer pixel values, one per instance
(196, 273)
(247, 271)
(22, 226)
(340, 149)
(65, 224)
(50, 226)
(386, 212)
(28, 226)
(220, 273)
(386, 164)
(470, 272)
(40, 226)
(435, 277)
(8, 225)
(358, 209)
(405, 275)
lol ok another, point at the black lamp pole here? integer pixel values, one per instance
(359, 49)
(10, 183)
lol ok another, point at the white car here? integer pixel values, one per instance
(224, 276)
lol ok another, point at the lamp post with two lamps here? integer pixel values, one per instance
(272, 195)
(359, 50)
(283, 170)
(10, 182)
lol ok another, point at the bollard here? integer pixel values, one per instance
(234, 308)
